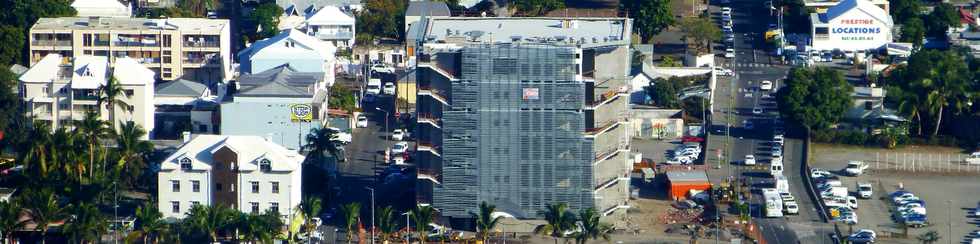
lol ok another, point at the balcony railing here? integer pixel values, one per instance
(201, 60)
(428, 147)
(51, 42)
(429, 174)
(434, 93)
(429, 119)
(601, 128)
(342, 35)
(202, 44)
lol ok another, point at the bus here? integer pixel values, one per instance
(774, 203)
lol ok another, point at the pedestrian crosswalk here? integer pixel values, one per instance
(747, 65)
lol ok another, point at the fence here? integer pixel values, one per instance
(921, 162)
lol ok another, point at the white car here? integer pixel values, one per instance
(791, 207)
(778, 139)
(340, 136)
(750, 159)
(757, 110)
(765, 85)
(855, 168)
(976, 211)
(362, 121)
(730, 53)
(398, 134)
(381, 68)
(726, 10)
(389, 88)
(723, 71)
(852, 202)
(974, 158)
(819, 173)
(399, 148)
(864, 190)
(787, 197)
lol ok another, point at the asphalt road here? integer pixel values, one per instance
(735, 97)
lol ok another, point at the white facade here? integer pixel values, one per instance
(58, 90)
(247, 173)
(851, 25)
(101, 8)
(330, 24)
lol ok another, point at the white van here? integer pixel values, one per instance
(782, 184)
(373, 86)
(776, 166)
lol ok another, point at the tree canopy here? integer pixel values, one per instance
(264, 21)
(814, 98)
(17, 17)
(381, 19)
(938, 81)
(650, 16)
(701, 31)
(902, 10)
(941, 18)
(537, 7)
(913, 30)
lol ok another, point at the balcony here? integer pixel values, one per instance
(610, 210)
(214, 44)
(339, 35)
(428, 147)
(601, 128)
(429, 119)
(430, 175)
(51, 42)
(608, 96)
(610, 182)
(201, 60)
(434, 93)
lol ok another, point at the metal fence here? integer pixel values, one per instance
(921, 162)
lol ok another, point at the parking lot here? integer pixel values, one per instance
(950, 197)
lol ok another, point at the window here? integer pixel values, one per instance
(868, 105)
(275, 187)
(175, 185)
(196, 186)
(195, 203)
(217, 187)
(255, 207)
(175, 207)
(274, 206)
(165, 40)
(185, 164)
(255, 187)
(202, 128)
(265, 165)
(128, 92)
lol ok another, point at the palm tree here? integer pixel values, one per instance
(351, 212)
(386, 222)
(131, 150)
(310, 207)
(318, 142)
(149, 222)
(210, 219)
(10, 220)
(591, 227)
(423, 215)
(87, 225)
(43, 209)
(485, 222)
(92, 128)
(263, 228)
(109, 95)
(929, 237)
(560, 220)
(36, 153)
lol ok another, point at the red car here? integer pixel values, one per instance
(692, 139)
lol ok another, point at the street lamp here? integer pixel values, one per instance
(408, 227)
(372, 212)
(386, 121)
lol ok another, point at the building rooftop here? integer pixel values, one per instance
(860, 5)
(278, 82)
(427, 8)
(530, 29)
(180, 88)
(250, 150)
(105, 8)
(330, 15)
(130, 72)
(304, 7)
(274, 46)
(89, 72)
(687, 176)
(100, 23)
(46, 70)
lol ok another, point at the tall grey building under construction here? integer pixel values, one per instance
(522, 113)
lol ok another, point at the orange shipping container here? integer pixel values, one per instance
(681, 182)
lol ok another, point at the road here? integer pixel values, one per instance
(735, 98)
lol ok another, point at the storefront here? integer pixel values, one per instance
(851, 25)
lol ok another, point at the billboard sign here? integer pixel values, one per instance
(300, 112)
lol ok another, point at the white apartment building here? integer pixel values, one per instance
(59, 90)
(247, 173)
(330, 24)
(101, 8)
(190, 48)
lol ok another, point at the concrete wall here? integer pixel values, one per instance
(266, 117)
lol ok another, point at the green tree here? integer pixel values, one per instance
(942, 17)
(263, 228)
(310, 208)
(92, 129)
(913, 30)
(319, 142)
(210, 219)
(701, 31)
(663, 93)
(9, 99)
(110, 95)
(10, 220)
(86, 225)
(43, 209)
(650, 16)
(13, 39)
(931, 236)
(149, 222)
(910, 104)
(903, 10)
(34, 155)
(342, 98)
(381, 19)
(198, 8)
(485, 222)
(560, 220)
(386, 223)
(944, 78)
(814, 98)
(423, 215)
(536, 7)
(24, 13)
(669, 61)
(351, 212)
(591, 227)
(132, 151)
(264, 21)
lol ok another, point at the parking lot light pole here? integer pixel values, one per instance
(372, 212)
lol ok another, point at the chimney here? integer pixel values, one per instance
(185, 136)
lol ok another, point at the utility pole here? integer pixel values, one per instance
(408, 227)
(372, 213)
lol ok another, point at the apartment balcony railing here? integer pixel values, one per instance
(100, 43)
(51, 42)
(430, 174)
(429, 119)
(428, 147)
(202, 44)
(86, 97)
(601, 128)
(342, 35)
(143, 43)
(610, 210)
(201, 60)
(610, 182)
(434, 93)
(609, 95)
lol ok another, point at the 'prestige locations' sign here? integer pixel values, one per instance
(857, 33)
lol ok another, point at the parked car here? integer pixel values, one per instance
(777, 151)
(723, 71)
(726, 10)
(389, 88)
(362, 121)
(864, 190)
(757, 110)
(852, 202)
(747, 124)
(855, 168)
(749, 159)
(381, 68)
(398, 134)
(976, 211)
(765, 85)
(974, 158)
(862, 236)
(778, 138)
(791, 207)
(730, 53)
(400, 147)
(340, 136)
